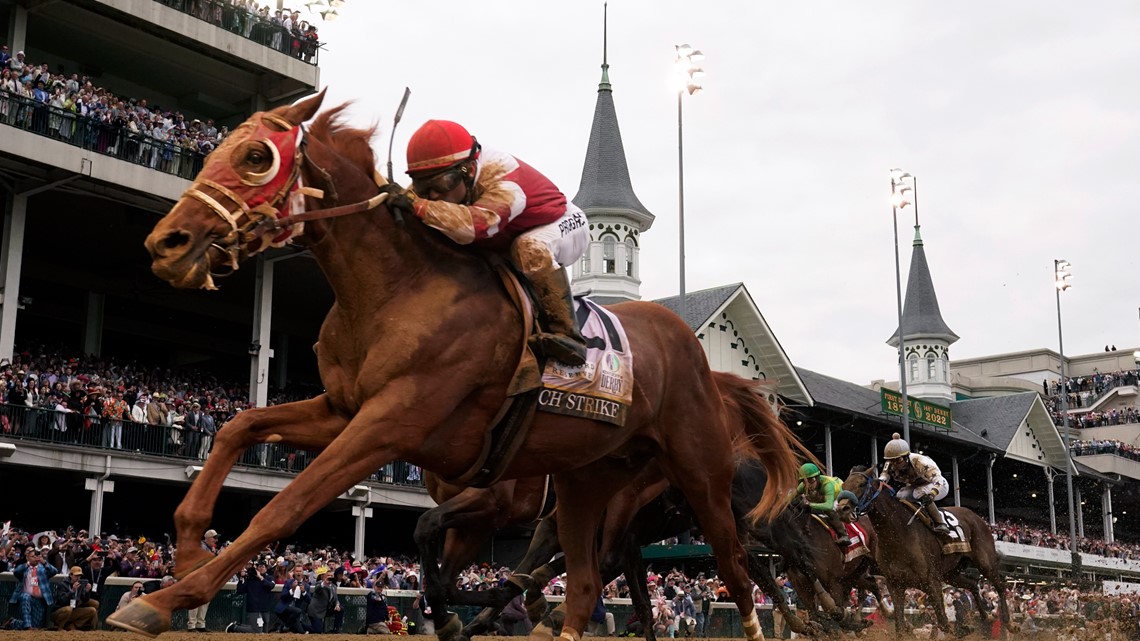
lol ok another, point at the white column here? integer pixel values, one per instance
(93, 325)
(17, 28)
(1080, 513)
(827, 447)
(1109, 528)
(11, 260)
(362, 513)
(1049, 473)
(957, 489)
(259, 352)
(990, 486)
(874, 451)
(97, 486)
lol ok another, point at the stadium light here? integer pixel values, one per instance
(1061, 276)
(904, 192)
(686, 73)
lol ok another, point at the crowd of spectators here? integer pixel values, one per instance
(1106, 446)
(69, 107)
(310, 578)
(1083, 391)
(281, 29)
(307, 577)
(1012, 532)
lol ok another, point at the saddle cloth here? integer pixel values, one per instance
(858, 546)
(953, 543)
(602, 389)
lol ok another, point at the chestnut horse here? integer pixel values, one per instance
(909, 554)
(416, 356)
(466, 518)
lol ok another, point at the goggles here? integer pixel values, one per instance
(439, 183)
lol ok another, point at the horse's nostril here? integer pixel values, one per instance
(175, 239)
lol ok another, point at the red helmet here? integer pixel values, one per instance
(439, 144)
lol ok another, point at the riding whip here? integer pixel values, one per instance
(391, 139)
(912, 516)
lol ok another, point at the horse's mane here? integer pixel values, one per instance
(352, 143)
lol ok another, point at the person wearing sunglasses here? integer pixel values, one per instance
(496, 201)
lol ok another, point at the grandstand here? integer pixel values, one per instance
(76, 283)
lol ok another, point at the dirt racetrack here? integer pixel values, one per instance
(103, 635)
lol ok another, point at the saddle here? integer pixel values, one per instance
(602, 389)
(953, 542)
(858, 546)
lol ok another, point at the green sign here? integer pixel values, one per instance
(919, 411)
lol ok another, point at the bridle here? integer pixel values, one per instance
(871, 491)
(278, 212)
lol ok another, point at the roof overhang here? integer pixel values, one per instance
(775, 361)
(1038, 421)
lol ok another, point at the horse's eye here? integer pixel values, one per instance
(255, 157)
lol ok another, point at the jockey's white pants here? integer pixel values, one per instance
(553, 245)
(938, 490)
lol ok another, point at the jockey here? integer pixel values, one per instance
(920, 477)
(820, 492)
(494, 200)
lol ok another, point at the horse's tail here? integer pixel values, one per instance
(764, 438)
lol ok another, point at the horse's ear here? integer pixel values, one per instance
(305, 108)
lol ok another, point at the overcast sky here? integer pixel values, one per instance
(1020, 120)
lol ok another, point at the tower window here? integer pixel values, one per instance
(630, 250)
(913, 362)
(931, 367)
(609, 254)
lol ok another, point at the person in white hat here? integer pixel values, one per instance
(196, 620)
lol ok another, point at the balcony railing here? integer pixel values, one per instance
(251, 26)
(1114, 448)
(175, 442)
(99, 137)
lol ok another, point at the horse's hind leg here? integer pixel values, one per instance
(459, 527)
(707, 487)
(543, 546)
(309, 425)
(580, 510)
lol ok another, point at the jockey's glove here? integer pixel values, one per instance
(399, 199)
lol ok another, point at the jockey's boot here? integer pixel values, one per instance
(839, 528)
(561, 339)
(937, 518)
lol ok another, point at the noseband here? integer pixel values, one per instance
(278, 211)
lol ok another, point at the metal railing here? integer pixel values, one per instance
(251, 26)
(97, 136)
(167, 441)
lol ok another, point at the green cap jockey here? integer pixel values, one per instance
(820, 491)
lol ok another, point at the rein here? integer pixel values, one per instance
(282, 214)
(869, 495)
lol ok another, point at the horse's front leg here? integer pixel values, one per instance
(309, 425)
(371, 440)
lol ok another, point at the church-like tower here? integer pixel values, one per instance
(928, 338)
(610, 269)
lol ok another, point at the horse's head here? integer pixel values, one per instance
(860, 488)
(228, 214)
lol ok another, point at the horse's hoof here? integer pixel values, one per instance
(541, 632)
(452, 630)
(522, 581)
(141, 617)
(535, 607)
(554, 621)
(194, 560)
